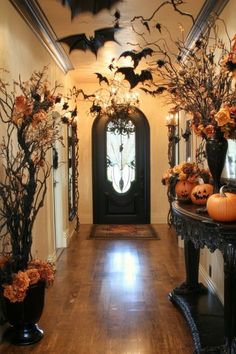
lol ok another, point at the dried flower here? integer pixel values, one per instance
(185, 171)
(32, 119)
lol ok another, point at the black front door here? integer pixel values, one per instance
(121, 171)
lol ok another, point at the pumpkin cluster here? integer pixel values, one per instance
(197, 193)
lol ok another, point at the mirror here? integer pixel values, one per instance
(72, 170)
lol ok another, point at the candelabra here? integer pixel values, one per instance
(173, 139)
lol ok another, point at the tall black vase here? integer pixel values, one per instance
(216, 150)
(23, 317)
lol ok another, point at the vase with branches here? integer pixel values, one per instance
(30, 115)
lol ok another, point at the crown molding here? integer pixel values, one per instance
(33, 15)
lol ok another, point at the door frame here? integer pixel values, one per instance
(136, 116)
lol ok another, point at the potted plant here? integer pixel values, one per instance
(31, 115)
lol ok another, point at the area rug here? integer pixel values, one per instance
(123, 232)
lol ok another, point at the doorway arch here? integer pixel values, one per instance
(121, 182)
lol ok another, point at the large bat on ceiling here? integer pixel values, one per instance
(93, 6)
(133, 78)
(82, 42)
(137, 56)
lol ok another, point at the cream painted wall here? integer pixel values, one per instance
(22, 53)
(215, 260)
(155, 111)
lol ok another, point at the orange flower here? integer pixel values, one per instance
(38, 117)
(33, 275)
(13, 293)
(223, 116)
(197, 129)
(17, 290)
(22, 105)
(21, 280)
(45, 270)
(209, 130)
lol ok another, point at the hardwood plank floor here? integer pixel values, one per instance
(111, 297)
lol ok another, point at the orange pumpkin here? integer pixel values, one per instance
(222, 206)
(201, 193)
(183, 189)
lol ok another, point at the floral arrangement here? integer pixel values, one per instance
(35, 272)
(198, 78)
(185, 171)
(203, 84)
(224, 120)
(31, 114)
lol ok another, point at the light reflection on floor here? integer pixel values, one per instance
(125, 269)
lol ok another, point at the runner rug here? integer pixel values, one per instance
(123, 232)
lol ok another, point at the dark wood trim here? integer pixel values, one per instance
(33, 15)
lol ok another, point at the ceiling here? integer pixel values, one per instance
(85, 64)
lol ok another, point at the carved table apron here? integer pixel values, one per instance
(213, 326)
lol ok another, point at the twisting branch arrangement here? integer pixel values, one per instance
(31, 115)
(198, 79)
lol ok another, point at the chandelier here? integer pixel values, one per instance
(118, 103)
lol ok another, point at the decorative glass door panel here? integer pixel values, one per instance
(121, 170)
(121, 157)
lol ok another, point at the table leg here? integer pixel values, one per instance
(192, 256)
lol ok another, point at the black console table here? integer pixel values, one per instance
(213, 326)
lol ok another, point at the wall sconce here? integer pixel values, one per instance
(173, 138)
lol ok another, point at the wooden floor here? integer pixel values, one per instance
(111, 297)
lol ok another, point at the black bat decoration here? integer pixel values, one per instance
(137, 56)
(133, 78)
(158, 26)
(85, 96)
(93, 6)
(158, 91)
(102, 78)
(94, 43)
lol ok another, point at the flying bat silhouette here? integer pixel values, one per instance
(158, 91)
(134, 78)
(94, 43)
(102, 78)
(137, 56)
(85, 96)
(93, 6)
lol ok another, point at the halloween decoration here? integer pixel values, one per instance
(137, 56)
(93, 6)
(133, 78)
(222, 206)
(153, 93)
(102, 78)
(201, 193)
(94, 43)
(183, 189)
(85, 96)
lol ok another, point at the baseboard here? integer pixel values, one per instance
(52, 257)
(207, 281)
